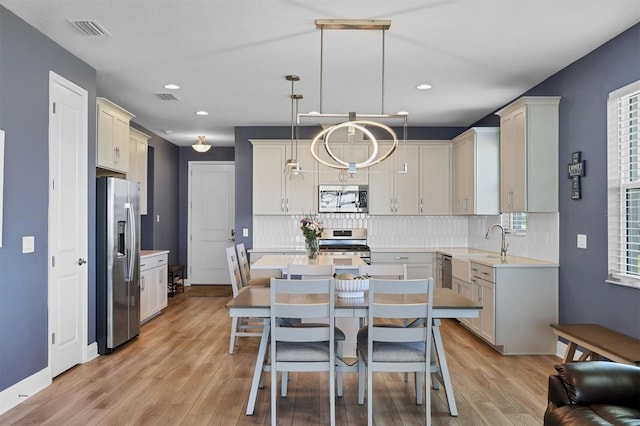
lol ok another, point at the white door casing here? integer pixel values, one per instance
(211, 220)
(68, 218)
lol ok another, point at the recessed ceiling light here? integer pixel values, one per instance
(202, 113)
(423, 86)
(171, 86)
(403, 112)
(167, 132)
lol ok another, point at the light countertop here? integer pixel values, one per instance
(147, 253)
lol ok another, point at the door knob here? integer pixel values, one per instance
(81, 261)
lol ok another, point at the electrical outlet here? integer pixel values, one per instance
(245, 232)
(158, 218)
(582, 241)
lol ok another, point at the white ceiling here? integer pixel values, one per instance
(230, 57)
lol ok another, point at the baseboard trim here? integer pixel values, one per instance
(24, 389)
(92, 352)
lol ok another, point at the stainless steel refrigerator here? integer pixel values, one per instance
(117, 262)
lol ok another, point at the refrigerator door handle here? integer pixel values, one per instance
(132, 236)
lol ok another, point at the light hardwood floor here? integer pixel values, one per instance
(178, 371)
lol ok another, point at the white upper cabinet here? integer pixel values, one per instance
(112, 150)
(476, 178)
(391, 192)
(529, 155)
(351, 152)
(435, 178)
(138, 146)
(274, 192)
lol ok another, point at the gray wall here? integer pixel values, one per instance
(26, 57)
(584, 87)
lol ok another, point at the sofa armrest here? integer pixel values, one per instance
(601, 382)
(557, 392)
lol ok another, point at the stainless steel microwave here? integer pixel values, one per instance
(343, 199)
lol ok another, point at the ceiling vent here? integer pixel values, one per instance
(166, 96)
(90, 28)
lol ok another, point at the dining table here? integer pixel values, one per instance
(255, 302)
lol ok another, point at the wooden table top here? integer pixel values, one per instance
(443, 298)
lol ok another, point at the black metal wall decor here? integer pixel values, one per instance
(576, 170)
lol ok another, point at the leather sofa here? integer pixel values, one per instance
(594, 393)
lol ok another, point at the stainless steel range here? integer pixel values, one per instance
(341, 242)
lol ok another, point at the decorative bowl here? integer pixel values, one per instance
(351, 288)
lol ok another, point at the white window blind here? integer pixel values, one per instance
(514, 223)
(623, 187)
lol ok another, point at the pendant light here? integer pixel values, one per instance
(292, 166)
(361, 122)
(201, 145)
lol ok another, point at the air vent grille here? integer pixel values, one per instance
(90, 28)
(166, 96)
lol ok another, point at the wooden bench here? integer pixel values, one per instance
(598, 341)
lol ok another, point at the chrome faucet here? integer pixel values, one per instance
(505, 246)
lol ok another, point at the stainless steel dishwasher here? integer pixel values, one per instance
(446, 272)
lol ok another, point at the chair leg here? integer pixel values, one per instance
(339, 373)
(369, 396)
(234, 329)
(361, 373)
(285, 378)
(418, 387)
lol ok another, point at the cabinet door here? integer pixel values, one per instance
(145, 303)
(105, 151)
(162, 286)
(356, 152)
(488, 323)
(381, 185)
(268, 179)
(435, 179)
(406, 185)
(301, 190)
(513, 162)
(463, 176)
(519, 188)
(121, 143)
(138, 165)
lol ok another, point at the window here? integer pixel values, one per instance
(623, 189)
(514, 223)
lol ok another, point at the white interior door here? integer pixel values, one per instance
(211, 220)
(68, 245)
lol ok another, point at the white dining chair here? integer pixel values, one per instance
(245, 269)
(397, 349)
(391, 271)
(311, 348)
(240, 326)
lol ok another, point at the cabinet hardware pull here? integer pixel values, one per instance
(402, 257)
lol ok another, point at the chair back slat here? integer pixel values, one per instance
(311, 286)
(384, 310)
(387, 286)
(243, 262)
(397, 334)
(294, 310)
(302, 334)
(234, 271)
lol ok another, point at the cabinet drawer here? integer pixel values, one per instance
(401, 257)
(153, 261)
(484, 272)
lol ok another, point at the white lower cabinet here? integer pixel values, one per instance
(419, 264)
(518, 304)
(153, 284)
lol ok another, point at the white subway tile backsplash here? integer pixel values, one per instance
(541, 241)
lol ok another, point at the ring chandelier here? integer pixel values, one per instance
(360, 121)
